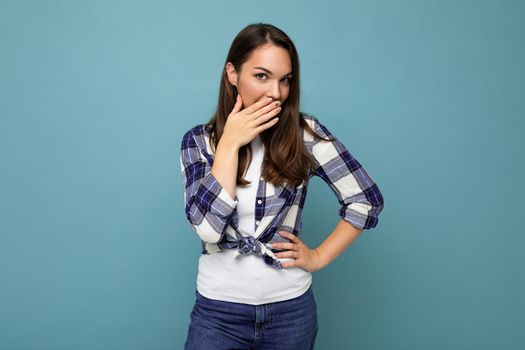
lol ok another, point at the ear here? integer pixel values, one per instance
(232, 74)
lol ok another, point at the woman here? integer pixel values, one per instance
(245, 177)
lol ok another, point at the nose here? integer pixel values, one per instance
(274, 92)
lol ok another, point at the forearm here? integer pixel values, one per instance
(342, 236)
(225, 165)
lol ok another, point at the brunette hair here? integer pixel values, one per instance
(286, 158)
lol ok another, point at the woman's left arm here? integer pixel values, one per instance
(316, 259)
(359, 197)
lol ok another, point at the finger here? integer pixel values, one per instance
(266, 109)
(238, 104)
(266, 125)
(257, 105)
(287, 254)
(283, 246)
(290, 236)
(268, 117)
(289, 264)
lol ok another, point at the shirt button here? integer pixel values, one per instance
(257, 222)
(259, 201)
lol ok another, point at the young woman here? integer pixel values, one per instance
(245, 175)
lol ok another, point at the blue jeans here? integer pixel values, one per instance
(283, 325)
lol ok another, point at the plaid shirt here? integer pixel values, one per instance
(212, 213)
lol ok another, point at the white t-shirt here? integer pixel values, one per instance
(247, 278)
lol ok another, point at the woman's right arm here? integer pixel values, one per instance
(208, 204)
(225, 165)
(210, 189)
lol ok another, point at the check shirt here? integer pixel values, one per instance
(211, 211)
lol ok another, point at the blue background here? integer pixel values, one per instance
(95, 251)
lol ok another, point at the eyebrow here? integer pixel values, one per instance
(269, 72)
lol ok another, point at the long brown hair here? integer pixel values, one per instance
(286, 158)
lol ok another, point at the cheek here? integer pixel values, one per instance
(251, 93)
(255, 90)
(285, 95)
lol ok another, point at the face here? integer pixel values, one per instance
(266, 73)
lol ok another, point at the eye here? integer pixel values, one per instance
(287, 80)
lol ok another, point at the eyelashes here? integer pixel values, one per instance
(287, 80)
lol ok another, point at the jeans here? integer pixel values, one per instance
(283, 325)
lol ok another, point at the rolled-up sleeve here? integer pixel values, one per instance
(359, 196)
(208, 205)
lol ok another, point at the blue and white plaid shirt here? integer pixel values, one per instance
(212, 212)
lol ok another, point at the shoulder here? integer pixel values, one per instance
(194, 133)
(197, 137)
(316, 125)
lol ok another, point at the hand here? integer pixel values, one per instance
(243, 125)
(305, 258)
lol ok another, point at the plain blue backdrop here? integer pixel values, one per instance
(95, 249)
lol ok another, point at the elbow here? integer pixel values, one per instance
(206, 235)
(376, 200)
(209, 219)
(362, 215)
(209, 230)
(206, 232)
